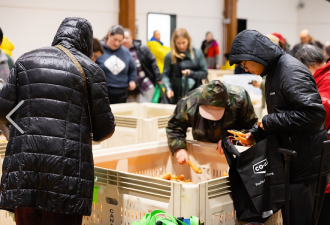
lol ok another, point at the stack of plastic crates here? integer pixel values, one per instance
(138, 123)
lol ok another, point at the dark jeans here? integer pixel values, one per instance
(324, 218)
(302, 197)
(29, 216)
(117, 95)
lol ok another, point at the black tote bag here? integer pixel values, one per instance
(257, 179)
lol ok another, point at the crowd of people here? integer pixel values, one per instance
(133, 70)
(48, 169)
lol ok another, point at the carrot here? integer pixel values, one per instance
(237, 133)
(181, 177)
(187, 181)
(195, 168)
(166, 176)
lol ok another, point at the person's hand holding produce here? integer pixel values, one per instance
(250, 140)
(182, 156)
(261, 125)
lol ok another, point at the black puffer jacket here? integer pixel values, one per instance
(296, 114)
(148, 62)
(50, 166)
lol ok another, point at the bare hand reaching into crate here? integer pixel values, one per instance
(182, 156)
(219, 148)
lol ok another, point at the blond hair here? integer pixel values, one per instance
(175, 53)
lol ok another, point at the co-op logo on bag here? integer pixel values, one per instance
(260, 167)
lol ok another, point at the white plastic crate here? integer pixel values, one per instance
(138, 123)
(256, 101)
(218, 74)
(128, 188)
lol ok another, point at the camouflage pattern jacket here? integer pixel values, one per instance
(239, 115)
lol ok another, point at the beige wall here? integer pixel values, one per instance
(32, 24)
(269, 16)
(196, 16)
(315, 17)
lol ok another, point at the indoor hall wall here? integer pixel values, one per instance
(196, 16)
(268, 16)
(32, 24)
(314, 16)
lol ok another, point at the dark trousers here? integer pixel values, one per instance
(324, 218)
(29, 216)
(117, 95)
(302, 197)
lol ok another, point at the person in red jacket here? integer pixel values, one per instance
(211, 51)
(312, 57)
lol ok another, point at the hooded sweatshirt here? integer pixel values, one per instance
(295, 111)
(118, 66)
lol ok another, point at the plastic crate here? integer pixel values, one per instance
(257, 103)
(218, 74)
(138, 123)
(128, 188)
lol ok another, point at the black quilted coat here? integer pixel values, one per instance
(295, 111)
(50, 167)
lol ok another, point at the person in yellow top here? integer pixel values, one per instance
(227, 66)
(158, 49)
(7, 46)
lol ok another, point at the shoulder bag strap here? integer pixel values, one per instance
(77, 64)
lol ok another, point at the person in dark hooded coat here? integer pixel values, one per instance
(295, 115)
(48, 171)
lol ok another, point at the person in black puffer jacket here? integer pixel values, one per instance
(48, 171)
(295, 115)
(148, 74)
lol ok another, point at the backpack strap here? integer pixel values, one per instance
(77, 64)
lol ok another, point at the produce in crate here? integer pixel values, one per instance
(195, 168)
(166, 176)
(169, 176)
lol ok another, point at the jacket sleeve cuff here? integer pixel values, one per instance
(178, 145)
(264, 123)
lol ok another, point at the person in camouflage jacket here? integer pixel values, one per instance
(232, 109)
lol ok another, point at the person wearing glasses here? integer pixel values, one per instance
(295, 115)
(210, 110)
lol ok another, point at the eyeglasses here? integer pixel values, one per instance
(243, 66)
